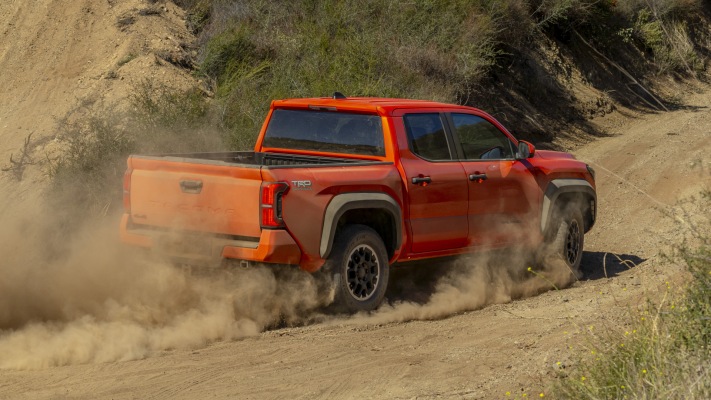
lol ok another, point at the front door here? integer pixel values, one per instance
(502, 190)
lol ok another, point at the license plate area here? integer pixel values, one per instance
(186, 246)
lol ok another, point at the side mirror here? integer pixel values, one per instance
(525, 150)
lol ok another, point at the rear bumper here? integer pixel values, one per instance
(274, 245)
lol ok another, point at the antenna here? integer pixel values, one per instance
(339, 96)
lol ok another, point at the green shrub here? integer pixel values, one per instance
(660, 28)
(257, 51)
(668, 41)
(646, 360)
(661, 9)
(92, 160)
(228, 51)
(697, 313)
(198, 13)
(556, 12)
(157, 105)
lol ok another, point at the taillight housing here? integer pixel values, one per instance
(270, 204)
(127, 190)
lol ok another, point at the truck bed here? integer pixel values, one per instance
(219, 193)
(255, 159)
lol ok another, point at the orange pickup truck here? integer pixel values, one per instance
(356, 185)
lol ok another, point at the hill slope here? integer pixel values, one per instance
(61, 60)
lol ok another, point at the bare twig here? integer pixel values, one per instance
(655, 330)
(627, 263)
(17, 167)
(556, 12)
(624, 71)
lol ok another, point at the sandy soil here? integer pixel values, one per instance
(106, 332)
(63, 59)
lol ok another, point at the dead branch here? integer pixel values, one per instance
(17, 167)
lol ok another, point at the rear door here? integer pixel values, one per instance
(436, 184)
(502, 191)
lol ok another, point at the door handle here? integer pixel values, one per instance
(422, 180)
(194, 187)
(478, 177)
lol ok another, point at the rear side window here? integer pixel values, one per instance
(427, 137)
(327, 131)
(480, 139)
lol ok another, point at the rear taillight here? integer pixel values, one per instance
(271, 195)
(127, 190)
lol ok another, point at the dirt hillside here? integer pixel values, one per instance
(95, 325)
(63, 59)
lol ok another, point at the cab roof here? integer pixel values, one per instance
(379, 105)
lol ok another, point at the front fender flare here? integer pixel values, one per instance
(556, 188)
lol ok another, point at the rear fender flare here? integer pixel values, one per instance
(556, 188)
(342, 203)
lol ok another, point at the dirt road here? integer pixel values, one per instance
(644, 168)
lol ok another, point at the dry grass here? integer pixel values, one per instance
(663, 351)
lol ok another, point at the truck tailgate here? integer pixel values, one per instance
(212, 197)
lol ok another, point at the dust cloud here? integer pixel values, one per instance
(75, 296)
(84, 298)
(472, 282)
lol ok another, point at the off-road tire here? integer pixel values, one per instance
(358, 265)
(565, 241)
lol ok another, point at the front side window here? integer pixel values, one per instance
(480, 139)
(427, 137)
(326, 131)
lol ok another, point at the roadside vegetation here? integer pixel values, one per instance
(447, 50)
(664, 352)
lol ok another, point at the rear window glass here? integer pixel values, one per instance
(327, 131)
